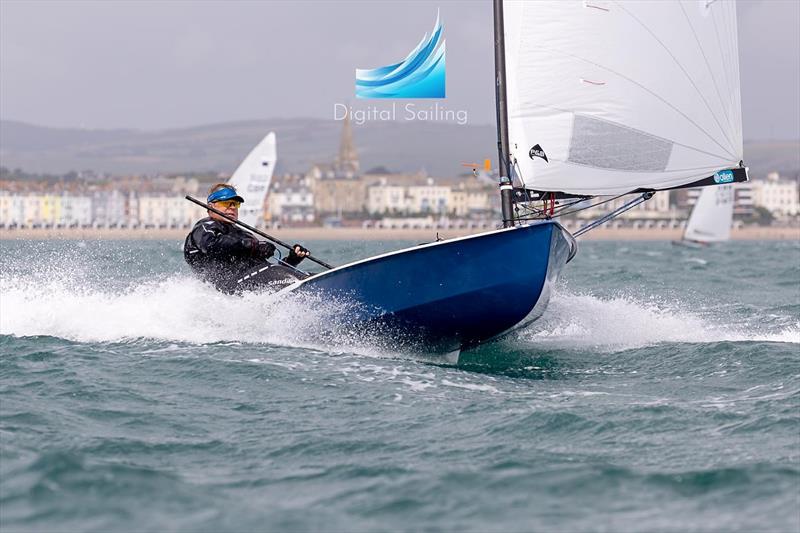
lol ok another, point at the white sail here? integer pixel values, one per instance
(253, 177)
(712, 215)
(622, 95)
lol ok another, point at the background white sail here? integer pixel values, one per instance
(622, 95)
(712, 215)
(252, 179)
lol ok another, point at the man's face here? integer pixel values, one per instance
(229, 207)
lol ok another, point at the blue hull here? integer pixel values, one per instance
(453, 294)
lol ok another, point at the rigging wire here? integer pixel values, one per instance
(534, 213)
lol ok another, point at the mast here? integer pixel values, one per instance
(506, 188)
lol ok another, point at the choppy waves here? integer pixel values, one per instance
(136, 398)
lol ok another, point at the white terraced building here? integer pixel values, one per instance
(12, 209)
(168, 211)
(777, 195)
(44, 210)
(291, 200)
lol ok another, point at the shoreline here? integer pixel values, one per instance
(360, 234)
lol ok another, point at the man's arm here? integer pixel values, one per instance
(214, 243)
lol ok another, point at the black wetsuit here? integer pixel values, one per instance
(234, 260)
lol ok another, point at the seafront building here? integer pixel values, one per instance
(293, 200)
(44, 210)
(413, 195)
(339, 189)
(163, 211)
(779, 196)
(339, 193)
(660, 211)
(290, 201)
(360, 200)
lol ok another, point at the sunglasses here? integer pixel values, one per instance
(228, 203)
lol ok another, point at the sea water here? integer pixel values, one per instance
(659, 391)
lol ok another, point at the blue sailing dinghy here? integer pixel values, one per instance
(622, 106)
(453, 294)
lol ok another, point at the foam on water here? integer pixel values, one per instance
(182, 309)
(623, 322)
(177, 309)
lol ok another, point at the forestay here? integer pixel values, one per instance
(712, 215)
(252, 179)
(622, 96)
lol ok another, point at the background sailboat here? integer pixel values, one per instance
(252, 179)
(711, 217)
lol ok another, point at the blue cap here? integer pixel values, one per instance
(226, 193)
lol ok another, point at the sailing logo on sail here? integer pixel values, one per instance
(420, 75)
(537, 151)
(723, 176)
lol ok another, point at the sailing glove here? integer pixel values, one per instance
(294, 258)
(264, 249)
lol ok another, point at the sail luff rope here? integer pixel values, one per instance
(711, 73)
(723, 53)
(731, 64)
(737, 78)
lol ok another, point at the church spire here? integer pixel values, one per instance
(347, 161)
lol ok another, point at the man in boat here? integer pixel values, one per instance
(232, 259)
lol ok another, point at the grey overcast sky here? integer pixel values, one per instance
(165, 64)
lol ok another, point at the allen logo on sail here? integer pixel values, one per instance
(723, 176)
(420, 75)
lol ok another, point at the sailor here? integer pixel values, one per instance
(232, 259)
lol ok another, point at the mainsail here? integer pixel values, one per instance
(252, 179)
(606, 98)
(712, 215)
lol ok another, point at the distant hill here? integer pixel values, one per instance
(763, 157)
(399, 146)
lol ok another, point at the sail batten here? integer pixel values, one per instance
(640, 96)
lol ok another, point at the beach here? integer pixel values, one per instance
(756, 233)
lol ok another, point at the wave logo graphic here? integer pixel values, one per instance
(420, 75)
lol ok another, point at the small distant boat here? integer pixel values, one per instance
(711, 218)
(253, 177)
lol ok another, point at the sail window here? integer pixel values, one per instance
(603, 144)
